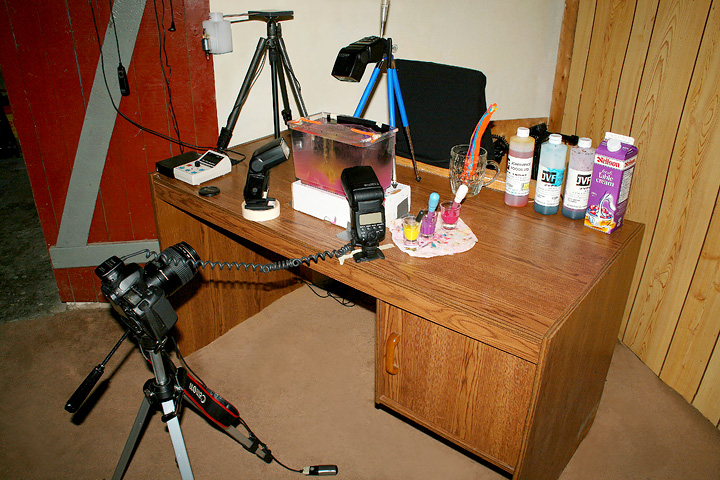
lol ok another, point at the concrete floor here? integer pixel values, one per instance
(28, 284)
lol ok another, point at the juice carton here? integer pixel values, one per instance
(610, 185)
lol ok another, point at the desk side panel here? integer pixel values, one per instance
(217, 300)
(574, 362)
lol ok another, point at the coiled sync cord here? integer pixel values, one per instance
(262, 267)
(280, 264)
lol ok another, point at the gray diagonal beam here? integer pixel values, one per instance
(72, 249)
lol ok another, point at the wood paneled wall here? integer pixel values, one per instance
(49, 57)
(651, 69)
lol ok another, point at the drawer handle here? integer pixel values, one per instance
(390, 365)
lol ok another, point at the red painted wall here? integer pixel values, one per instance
(49, 56)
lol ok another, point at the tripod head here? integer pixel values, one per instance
(270, 15)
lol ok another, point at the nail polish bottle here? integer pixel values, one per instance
(427, 228)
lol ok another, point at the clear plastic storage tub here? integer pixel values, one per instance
(324, 144)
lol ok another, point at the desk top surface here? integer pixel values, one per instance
(526, 272)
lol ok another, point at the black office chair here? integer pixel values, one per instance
(444, 104)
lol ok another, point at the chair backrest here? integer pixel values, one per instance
(444, 104)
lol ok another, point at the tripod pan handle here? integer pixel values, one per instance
(84, 389)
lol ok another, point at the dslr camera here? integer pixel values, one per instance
(139, 294)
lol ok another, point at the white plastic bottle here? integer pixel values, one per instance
(579, 174)
(550, 175)
(519, 168)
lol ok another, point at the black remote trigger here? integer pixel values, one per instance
(123, 81)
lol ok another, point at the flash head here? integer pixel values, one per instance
(269, 155)
(351, 61)
(258, 206)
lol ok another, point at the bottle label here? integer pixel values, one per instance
(517, 179)
(549, 183)
(577, 189)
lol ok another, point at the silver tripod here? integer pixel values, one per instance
(161, 390)
(166, 390)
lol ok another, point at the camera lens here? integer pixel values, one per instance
(174, 267)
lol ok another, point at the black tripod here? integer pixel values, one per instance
(279, 69)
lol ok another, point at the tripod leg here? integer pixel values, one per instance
(368, 90)
(132, 439)
(294, 84)
(227, 131)
(286, 112)
(178, 442)
(393, 78)
(391, 95)
(274, 87)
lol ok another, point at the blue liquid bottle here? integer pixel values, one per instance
(550, 175)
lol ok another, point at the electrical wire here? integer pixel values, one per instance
(342, 301)
(166, 77)
(187, 367)
(252, 84)
(117, 42)
(172, 18)
(134, 123)
(279, 265)
(267, 268)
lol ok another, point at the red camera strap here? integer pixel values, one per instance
(212, 405)
(221, 412)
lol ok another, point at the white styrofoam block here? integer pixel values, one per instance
(334, 208)
(321, 204)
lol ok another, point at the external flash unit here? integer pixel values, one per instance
(351, 61)
(258, 206)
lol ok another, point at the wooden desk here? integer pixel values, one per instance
(503, 349)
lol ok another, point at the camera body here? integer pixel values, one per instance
(139, 294)
(351, 61)
(145, 310)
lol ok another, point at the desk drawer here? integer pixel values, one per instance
(470, 393)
